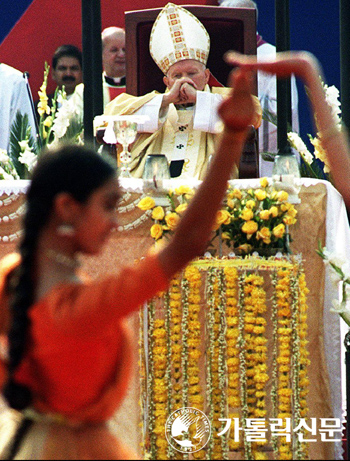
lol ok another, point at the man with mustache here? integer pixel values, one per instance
(67, 68)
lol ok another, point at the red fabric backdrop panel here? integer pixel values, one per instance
(45, 25)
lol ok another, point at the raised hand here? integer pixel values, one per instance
(284, 64)
(238, 110)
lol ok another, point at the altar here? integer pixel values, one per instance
(321, 217)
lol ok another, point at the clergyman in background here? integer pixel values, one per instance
(267, 93)
(113, 63)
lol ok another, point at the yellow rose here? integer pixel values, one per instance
(247, 214)
(264, 234)
(274, 211)
(292, 212)
(172, 220)
(286, 206)
(260, 194)
(279, 231)
(158, 213)
(289, 220)
(250, 227)
(222, 217)
(230, 203)
(181, 208)
(156, 231)
(236, 193)
(282, 196)
(182, 190)
(264, 215)
(245, 247)
(250, 204)
(147, 203)
(264, 182)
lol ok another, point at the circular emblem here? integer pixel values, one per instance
(187, 430)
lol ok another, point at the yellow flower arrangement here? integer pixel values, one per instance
(256, 219)
(166, 218)
(249, 220)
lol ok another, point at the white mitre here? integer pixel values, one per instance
(177, 35)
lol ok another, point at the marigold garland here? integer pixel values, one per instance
(210, 333)
(256, 351)
(243, 365)
(232, 352)
(195, 391)
(304, 361)
(235, 353)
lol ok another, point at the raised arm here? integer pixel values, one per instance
(305, 66)
(192, 234)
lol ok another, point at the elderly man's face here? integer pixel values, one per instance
(113, 54)
(188, 68)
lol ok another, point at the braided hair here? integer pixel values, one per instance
(78, 171)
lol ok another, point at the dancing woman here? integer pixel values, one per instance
(66, 362)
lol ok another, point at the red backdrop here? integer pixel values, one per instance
(46, 25)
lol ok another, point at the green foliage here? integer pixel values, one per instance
(20, 131)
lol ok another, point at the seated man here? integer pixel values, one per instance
(183, 122)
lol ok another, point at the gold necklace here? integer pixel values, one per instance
(64, 260)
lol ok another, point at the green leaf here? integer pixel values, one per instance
(269, 116)
(268, 156)
(74, 129)
(20, 131)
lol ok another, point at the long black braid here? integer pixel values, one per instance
(72, 169)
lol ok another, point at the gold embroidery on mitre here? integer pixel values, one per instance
(181, 50)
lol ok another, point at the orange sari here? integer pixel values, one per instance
(78, 363)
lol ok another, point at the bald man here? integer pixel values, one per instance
(113, 61)
(114, 68)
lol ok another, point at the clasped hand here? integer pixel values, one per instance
(183, 91)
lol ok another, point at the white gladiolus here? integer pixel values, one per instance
(4, 158)
(5, 175)
(337, 260)
(332, 98)
(300, 146)
(28, 158)
(63, 117)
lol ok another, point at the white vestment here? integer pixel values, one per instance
(182, 137)
(13, 97)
